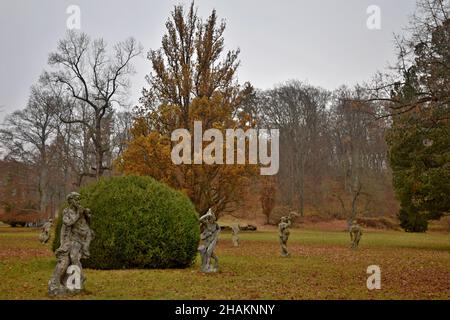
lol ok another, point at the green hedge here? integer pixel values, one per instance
(139, 223)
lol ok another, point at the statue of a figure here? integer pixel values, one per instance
(355, 234)
(283, 227)
(210, 234)
(235, 235)
(45, 234)
(76, 236)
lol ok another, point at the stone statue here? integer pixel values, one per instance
(76, 236)
(355, 234)
(235, 235)
(210, 234)
(45, 234)
(283, 227)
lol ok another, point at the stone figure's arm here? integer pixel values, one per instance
(86, 211)
(87, 214)
(70, 217)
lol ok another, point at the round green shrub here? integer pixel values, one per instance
(139, 223)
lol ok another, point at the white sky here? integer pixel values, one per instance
(323, 42)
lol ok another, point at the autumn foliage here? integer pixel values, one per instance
(191, 81)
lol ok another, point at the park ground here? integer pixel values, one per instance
(321, 266)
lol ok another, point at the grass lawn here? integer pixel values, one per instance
(321, 266)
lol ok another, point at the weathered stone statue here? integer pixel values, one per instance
(235, 235)
(355, 234)
(283, 227)
(210, 233)
(76, 236)
(45, 234)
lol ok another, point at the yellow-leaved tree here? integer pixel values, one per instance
(192, 79)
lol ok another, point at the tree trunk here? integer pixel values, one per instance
(98, 150)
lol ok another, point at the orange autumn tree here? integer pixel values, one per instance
(192, 80)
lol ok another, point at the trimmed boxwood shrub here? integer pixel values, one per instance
(139, 223)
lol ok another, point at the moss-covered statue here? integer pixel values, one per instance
(355, 234)
(210, 230)
(76, 236)
(283, 228)
(44, 236)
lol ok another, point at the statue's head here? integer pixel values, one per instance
(73, 198)
(208, 216)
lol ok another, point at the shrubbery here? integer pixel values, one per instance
(139, 223)
(412, 221)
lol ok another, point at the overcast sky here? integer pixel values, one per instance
(323, 42)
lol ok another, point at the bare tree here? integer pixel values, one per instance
(96, 81)
(420, 76)
(27, 134)
(333, 152)
(74, 147)
(298, 110)
(121, 135)
(360, 148)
